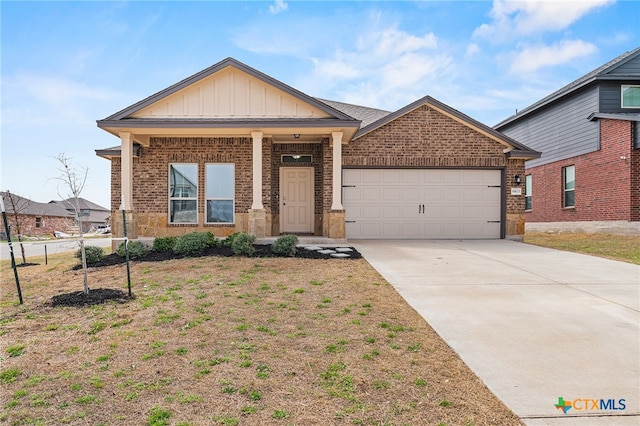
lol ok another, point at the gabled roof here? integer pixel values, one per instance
(516, 148)
(25, 206)
(123, 117)
(604, 72)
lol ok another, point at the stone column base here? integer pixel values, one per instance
(258, 223)
(117, 226)
(515, 227)
(334, 227)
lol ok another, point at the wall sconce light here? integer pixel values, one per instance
(517, 179)
(296, 135)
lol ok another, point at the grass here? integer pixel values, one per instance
(229, 341)
(624, 248)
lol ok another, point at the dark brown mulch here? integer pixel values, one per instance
(20, 265)
(262, 250)
(95, 297)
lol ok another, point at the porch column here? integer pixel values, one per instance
(126, 171)
(336, 202)
(257, 171)
(126, 190)
(257, 214)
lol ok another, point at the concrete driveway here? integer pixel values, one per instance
(534, 324)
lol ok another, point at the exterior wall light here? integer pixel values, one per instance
(517, 179)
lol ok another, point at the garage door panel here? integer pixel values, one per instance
(452, 176)
(423, 203)
(433, 194)
(454, 194)
(411, 229)
(370, 176)
(391, 230)
(391, 213)
(410, 212)
(371, 212)
(412, 177)
(452, 212)
(392, 177)
(410, 194)
(391, 194)
(371, 194)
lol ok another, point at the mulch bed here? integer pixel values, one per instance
(262, 250)
(95, 297)
(102, 295)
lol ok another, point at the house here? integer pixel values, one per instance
(588, 177)
(232, 149)
(31, 218)
(93, 215)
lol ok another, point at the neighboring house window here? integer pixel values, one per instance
(38, 222)
(86, 212)
(569, 186)
(183, 193)
(219, 193)
(630, 96)
(527, 192)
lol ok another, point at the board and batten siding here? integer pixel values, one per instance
(561, 130)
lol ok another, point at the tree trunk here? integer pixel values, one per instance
(24, 258)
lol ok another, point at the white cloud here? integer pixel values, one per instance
(534, 58)
(278, 6)
(472, 49)
(386, 68)
(525, 17)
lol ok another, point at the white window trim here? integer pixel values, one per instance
(528, 191)
(564, 187)
(170, 199)
(206, 199)
(622, 87)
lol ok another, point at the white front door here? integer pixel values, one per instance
(296, 200)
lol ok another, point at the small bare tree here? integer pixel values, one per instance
(73, 180)
(19, 206)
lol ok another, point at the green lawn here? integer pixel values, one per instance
(625, 248)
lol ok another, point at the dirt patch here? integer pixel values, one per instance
(95, 297)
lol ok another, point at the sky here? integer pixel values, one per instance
(65, 65)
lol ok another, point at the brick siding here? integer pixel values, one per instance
(426, 138)
(607, 181)
(49, 224)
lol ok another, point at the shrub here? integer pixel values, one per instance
(228, 242)
(137, 250)
(242, 244)
(194, 243)
(92, 254)
(285, 245)
(164, 243)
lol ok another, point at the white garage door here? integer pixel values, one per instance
(417, 204)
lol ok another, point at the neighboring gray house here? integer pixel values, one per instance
(93, 215)
(31, 218)
(589, 136)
